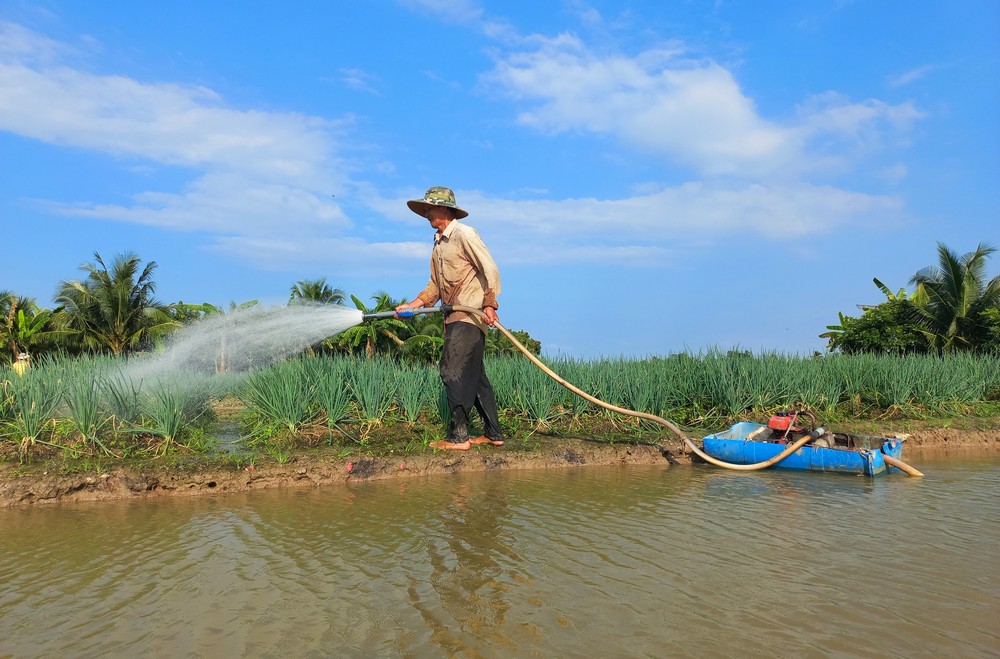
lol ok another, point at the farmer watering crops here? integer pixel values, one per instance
(462, 273)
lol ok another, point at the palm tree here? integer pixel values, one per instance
(954, 299)
(114, 308)
(316, 290)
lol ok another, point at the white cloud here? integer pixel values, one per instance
(252, 172)
(260, 181)
(17, 42)
(907, 77)
(328, 254)
(833, 114)
(457, 11)
(687, 211)
(223, 202)
(691, 112)
(645, 229)
(360, 80)
(166, 123)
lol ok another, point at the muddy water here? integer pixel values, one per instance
(590, 562)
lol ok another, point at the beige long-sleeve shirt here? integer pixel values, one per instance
(462, 272)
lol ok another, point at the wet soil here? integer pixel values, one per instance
(44, 483)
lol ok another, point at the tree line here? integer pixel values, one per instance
(952, 308)
(114, 310)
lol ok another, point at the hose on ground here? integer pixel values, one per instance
(792, 448)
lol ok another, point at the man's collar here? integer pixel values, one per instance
(448, 230)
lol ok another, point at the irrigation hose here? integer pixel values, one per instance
(902, 466)
(792, 448)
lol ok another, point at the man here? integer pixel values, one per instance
(463, 273)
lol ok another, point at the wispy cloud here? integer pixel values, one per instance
(690, 112)
(686, 211)
(912, 75)
(250, 169)
(360, 80)
(259, 181)
(457, 11)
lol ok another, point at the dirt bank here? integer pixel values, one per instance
(20, 485)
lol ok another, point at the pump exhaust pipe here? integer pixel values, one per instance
(409, 313)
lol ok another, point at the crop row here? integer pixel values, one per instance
(97, 405)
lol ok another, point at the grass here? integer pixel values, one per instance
(34, 401)
(91, 405)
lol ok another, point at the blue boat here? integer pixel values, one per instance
(749, 443)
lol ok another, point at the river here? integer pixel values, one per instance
(624, 562)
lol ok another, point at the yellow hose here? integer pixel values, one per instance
(792, 448)
(902, 466)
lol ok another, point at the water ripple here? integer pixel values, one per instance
(615, 562)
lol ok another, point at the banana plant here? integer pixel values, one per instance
(369, 331)
(24, 325)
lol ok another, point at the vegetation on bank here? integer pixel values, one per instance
(113, 310)
(953, 308)
(67, 392)
(86, 411)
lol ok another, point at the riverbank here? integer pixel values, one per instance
(44, 483)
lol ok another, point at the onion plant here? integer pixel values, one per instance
(373, 383)
(504, 373)
(123, 399)
(443, 407)
(332, 397)
(539, 396)
(169, 408)
(35, 397)
(6, 395)
(414, 390)
(83, 400)
(280, 395)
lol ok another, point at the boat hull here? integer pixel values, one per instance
(733, 446)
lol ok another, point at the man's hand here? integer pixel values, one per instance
(491, 316)
(413, 304)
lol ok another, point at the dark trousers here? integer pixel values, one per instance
(464, 376)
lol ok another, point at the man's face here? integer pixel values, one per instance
(438, 216)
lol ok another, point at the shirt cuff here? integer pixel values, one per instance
(490, 299)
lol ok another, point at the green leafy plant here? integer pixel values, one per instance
(35, 397)
(169, 408)
(373, 387)
(83, 399)
(279, 396)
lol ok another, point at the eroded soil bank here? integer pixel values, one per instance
(21, 486)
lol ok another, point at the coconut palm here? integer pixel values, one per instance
(114, 308)
(316, 290)
(955, 298)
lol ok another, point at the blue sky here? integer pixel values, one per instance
(651, 176)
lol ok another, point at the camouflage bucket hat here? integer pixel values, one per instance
(436, 196)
